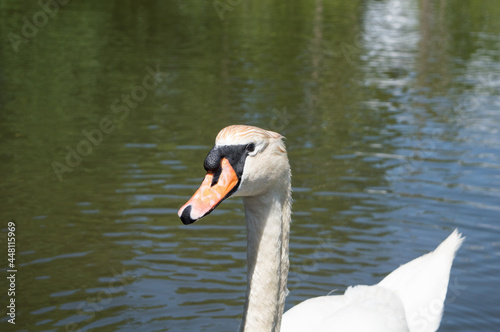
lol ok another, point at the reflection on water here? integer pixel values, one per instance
(390, 109)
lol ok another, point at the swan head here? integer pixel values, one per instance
(245, 161)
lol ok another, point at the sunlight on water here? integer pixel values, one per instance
(390, 109)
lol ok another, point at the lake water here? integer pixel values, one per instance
(108, 109)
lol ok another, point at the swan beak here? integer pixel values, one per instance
(213, 190)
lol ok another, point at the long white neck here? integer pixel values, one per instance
(268, 228)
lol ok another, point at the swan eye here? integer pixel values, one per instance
(251, 147)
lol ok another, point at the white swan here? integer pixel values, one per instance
(251, 162)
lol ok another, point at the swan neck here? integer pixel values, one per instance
(268, 228)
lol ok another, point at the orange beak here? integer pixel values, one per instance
(210, 194)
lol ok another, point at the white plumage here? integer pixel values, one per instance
(409, 299)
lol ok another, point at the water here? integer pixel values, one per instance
(390, 109)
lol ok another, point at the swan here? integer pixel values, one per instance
(252, 163)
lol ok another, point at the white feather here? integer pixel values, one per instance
(410, 298)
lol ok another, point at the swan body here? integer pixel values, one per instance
(410, 298)
(251, 162)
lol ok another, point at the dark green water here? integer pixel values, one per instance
(108, 109)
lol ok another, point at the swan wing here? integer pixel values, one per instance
(411, 298)
(422, 283)
(361, 308)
